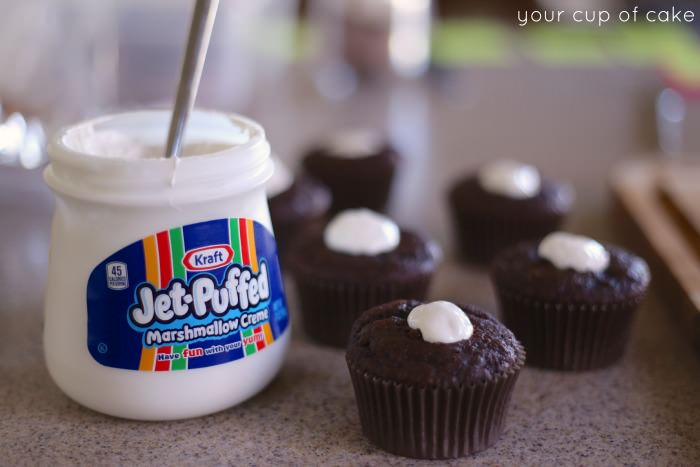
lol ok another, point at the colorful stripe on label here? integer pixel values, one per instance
(150, 253)
(163, 256)
(177, 246)
(165, 262)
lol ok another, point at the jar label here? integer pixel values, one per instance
(189, 297)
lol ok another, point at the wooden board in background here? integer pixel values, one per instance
(642, 189)
(681, 184)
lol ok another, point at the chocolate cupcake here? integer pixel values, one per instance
(295, 203)
(432, 381)
(357, 166)
(570, 300)
(503, 204)
(360, 259)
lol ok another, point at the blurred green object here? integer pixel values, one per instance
(566, 45)
(680, 61)
(492, 43)
(455, 42)
(685, 74)
(285, 40)
(471, 42)
(305, 41)
(634, 44)
(646, 44)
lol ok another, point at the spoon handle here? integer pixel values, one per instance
(197, 44)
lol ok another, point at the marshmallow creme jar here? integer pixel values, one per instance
(164, 297)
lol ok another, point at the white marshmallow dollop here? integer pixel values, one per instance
(281, 180)
(441, 322)
(355, 144)
(565, 250)
(510, 178)
(361, 232)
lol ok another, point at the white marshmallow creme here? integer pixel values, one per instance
(441, 322)
(582, 254)
(511, 179)
(361, 232)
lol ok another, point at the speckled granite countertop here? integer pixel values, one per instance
(642, 412)
(645, 411)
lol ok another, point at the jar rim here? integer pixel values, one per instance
(118, 180)
(60, 150)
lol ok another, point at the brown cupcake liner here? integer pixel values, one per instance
(330, 307)
(433, 422)
(569, 336)
(481, 238)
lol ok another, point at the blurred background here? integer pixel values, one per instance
(358, 62)
(451, 83)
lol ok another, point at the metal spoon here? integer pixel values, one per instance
(197, 44)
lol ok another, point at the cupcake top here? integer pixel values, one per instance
(362, 245)
(510, 179)
(511, 190)
(582, 254)
(434, 344)
(305, 198)
(292, 199)
(351, 148)
(354, 144)
(361, 232)
(565, 267)
(441, 322)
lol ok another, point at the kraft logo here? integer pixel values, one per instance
(208, 257)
